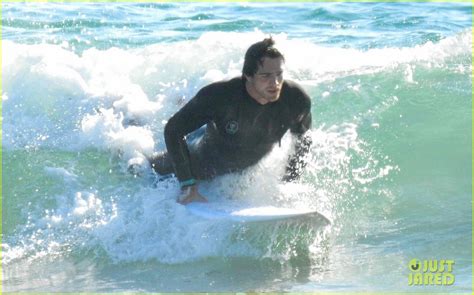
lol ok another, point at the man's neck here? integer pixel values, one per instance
(252, 93)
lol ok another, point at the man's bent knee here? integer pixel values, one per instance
(161, 163)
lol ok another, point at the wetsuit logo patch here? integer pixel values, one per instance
(232, 127)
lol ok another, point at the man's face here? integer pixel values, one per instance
(265, 85)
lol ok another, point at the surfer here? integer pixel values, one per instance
(230, 125)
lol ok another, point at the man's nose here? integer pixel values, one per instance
(275, 80)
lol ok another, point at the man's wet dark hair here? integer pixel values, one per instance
(255, 54)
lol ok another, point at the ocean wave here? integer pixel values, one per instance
(56, 95)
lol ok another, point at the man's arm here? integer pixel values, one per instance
(296, 162)
(196, 113)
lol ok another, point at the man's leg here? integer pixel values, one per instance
(162, 163)
(201, 162)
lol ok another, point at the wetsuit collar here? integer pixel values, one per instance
(247, 95)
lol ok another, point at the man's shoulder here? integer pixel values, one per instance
(217, 94)
(224, 86)
(293, 86)
(295, 93)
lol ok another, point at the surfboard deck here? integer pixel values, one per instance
(227, 212)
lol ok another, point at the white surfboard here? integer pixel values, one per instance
(228, 212)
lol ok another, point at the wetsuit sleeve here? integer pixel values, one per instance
(296, 162)
(197, 112)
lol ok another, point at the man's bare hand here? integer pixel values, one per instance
(190, 194)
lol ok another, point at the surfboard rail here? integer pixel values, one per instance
(213, 211)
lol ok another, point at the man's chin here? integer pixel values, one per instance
(273, 98)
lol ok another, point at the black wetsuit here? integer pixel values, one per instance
(238, 134)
